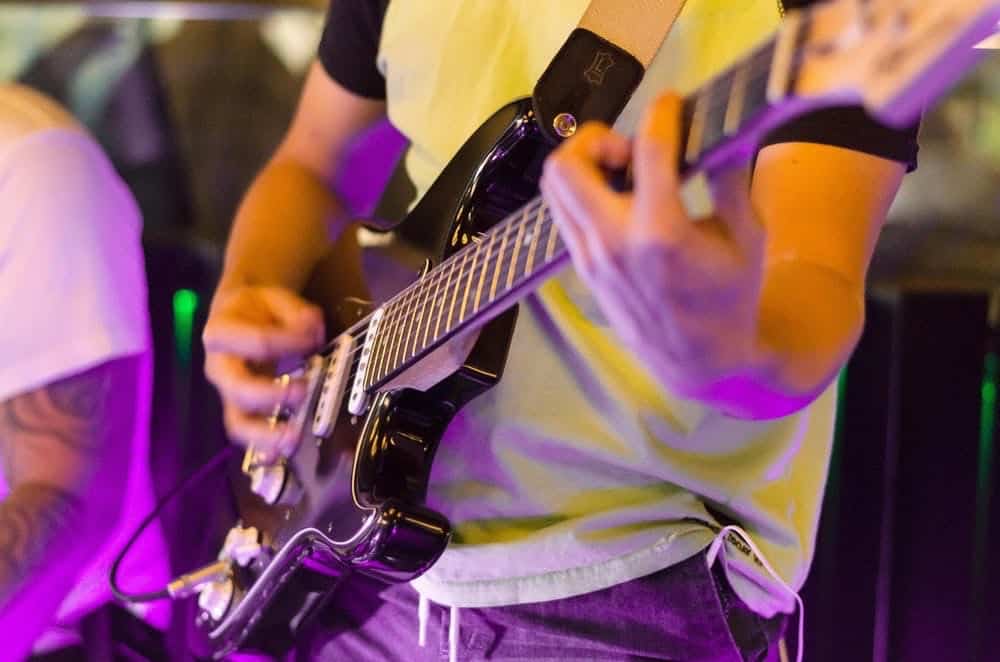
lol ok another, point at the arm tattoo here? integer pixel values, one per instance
(69, 413)
(30, 521)
(49, 438)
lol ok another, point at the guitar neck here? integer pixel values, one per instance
(722, 121)
(468, 289)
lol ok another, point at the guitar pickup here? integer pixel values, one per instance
(332, 389)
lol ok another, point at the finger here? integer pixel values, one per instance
(577, 170)
(569, 230)
(249, 390)
(600, 145)
(253, 431)
(293, 312)
(730, 186)
(257, 342)
(655, 161)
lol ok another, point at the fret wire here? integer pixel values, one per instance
(783, 58)
(468, 284)
(734, 106)
(715, 117)
(420, 308)
(428, 304)
(496, 273)
(486, 265)
(385, 332)
(535, 234)
(376, 352)
(697, 129)
(445, 273)
(399, 334)
(409, 337)
(437, 326)
(517, 249)
(751, 63)
(750, 71)
(545, 218)
(454, 292)
(416, 313)
(520, 262)
(506, 228)
(553, 235)
(391, 339)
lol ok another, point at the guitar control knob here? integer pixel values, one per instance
(267, 481)
(242, 545)
(275, 483)
(214, 599)
(272, 481)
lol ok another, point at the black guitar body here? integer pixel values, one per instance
(357, 500)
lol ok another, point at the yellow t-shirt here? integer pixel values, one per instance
(578, 471)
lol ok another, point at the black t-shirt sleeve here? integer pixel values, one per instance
(349, 45)
(849, 127)
(852, 128)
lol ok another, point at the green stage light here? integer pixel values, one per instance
(185, 306)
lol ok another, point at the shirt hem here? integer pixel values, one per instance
(559, 584)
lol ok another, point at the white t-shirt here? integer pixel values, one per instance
(72, 296)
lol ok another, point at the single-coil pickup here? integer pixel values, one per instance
(331, 391)
(359, 398)
(312, 370)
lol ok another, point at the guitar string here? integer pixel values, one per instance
(708, 87)
(429, 288)
(424, 290)
(399, 355)
(515, 220)
(439, 272)
(419, 293)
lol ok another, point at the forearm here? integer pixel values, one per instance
(287, 223)
(810, 319)
(44, 544)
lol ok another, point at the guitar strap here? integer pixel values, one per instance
(596, 71)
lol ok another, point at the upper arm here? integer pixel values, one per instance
(72, 269)
(823, 206)
(344, 90)
(73, 434)
(327, 119)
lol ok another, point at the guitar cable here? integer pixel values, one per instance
(183, 584)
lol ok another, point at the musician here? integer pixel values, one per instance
(677, 379)
(75, 380)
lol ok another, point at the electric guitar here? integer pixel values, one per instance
(380, 395)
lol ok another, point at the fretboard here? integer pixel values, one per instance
(722, 108)
(468, 287)
(476, 283)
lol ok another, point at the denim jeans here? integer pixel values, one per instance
(684, 613)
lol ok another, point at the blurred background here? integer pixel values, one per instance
(189, 98)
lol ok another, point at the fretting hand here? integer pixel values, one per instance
(681, 293)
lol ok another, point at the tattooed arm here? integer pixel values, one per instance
(65, 453)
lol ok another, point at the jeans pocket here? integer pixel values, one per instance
(753, 635)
